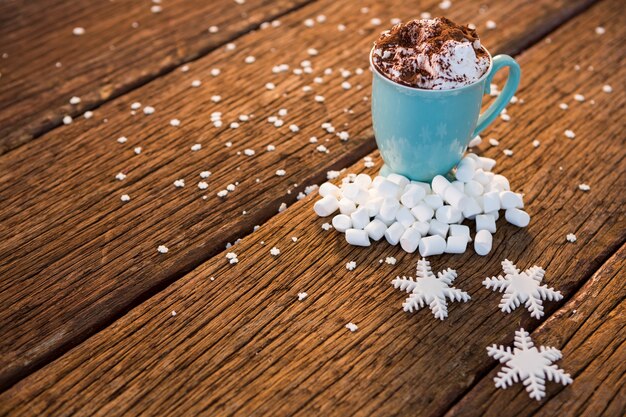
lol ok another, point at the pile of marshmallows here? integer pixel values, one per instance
(420, 215)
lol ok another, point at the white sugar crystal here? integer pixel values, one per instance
(67, 120)
(600, 30)
(120, 176)
(175, 122)
(579, 97)
(196, 83)
(203, 185)
(162, 249)
(148, 110)
(357, 237)
(326, 226)
(346, 85)
(326, 206)
(445, 4)
(394, 233)
(196, 147)
(78, 31)
(352, 327)
(456, 244)
(249, 59)
(517, 217)
(584, 187)
(410, 239)
(302, 296)
(508, 152)
(350, 266)
(536, 143)
(570, 134)
(74, 100)
(281, 172)
(125, 198)
(607, 88)
(179, 183)
(137, 150)
(249, 152)
(494, 142)
(390, 260)
(483, 242)
(432, 245)
(88, 114)
(205, 174)
(376, 229)
(486, 222)
(275, 251)
(270, 86)
(344, 136)
(571, 237)
(490, 24)
(342, 222)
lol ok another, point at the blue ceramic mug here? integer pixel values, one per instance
(423, 133)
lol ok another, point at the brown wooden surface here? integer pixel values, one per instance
(78, 257)
(111, 58)
(243, 343)
(591, 333)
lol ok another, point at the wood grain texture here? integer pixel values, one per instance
(591, 333)
(78, 257)
(242, 343)
(111, 58)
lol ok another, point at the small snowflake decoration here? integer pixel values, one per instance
(430, 289)
(522, 287)
(528, 364)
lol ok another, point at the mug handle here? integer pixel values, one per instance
(512, 82)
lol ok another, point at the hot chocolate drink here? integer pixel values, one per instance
(433, 54)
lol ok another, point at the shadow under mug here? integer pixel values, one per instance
(423, 133)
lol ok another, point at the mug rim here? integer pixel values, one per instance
(425, 90)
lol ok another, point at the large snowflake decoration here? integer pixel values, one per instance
(528, 364)
(522, 287)
(430, 289)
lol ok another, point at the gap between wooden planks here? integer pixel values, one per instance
(110, 59)
(72, 232)
(243, 343)
(591, 332)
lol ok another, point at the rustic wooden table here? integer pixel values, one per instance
(88, 326)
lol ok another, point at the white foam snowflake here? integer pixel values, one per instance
(528, 364)
(430, 289)
(522, 287)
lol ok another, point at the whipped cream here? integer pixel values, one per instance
(434, 54)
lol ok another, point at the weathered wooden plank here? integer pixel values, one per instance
(591, 332)
(242, 343)
(125, 45)
(78, 257)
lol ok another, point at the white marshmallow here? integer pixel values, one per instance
(359, 218)
(393, 233)
(454, 197)
(438, 228)
(483, 242)
(501, 182)
(357, 237)
(376, 229)
(491, 201)
(486, 164)
(481, 177)
(474, 188)
(401, 180)
(456, 244)
(410, 240)
(412, 196)
(387, 222)
(465, 169)
(422, 227)
(432, 245)
(346, 206)
(326, 206)
(341, 223)
(362, 197)
(486, 222)
(373, 206)
(459, 186)
(440, 184)
(434, 201)
(448, 214)
(422, 212)
(517, 217)
(350, 191)
(363, 181)
(471, 207)
(389, 208)
(424, 185)
(404, 217)
(329, 189)
(388, 189)
(495, 214)
(460, 230)
(377, 181)
(509, 199)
